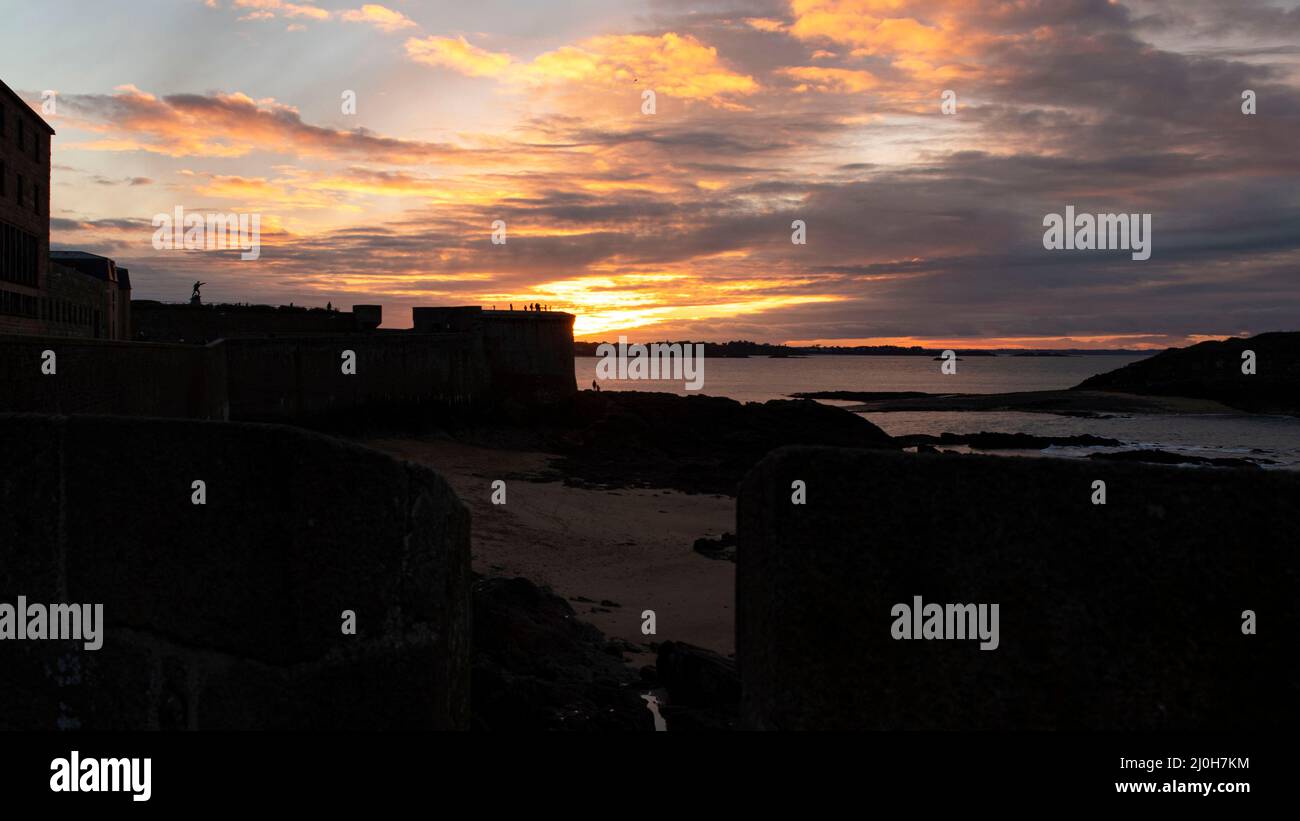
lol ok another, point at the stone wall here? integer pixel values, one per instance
(107, 377)
(1122, 616)
(200, 324)
(399, 377)
(530, 354)
(228, 615)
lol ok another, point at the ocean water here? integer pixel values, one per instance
(758, 379)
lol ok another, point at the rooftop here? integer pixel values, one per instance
(6, 91)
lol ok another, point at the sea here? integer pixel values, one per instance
(1273, 441)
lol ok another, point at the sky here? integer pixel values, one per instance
(922, 226)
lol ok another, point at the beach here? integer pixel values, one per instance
(631, 547)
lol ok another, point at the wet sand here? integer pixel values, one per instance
(628, 546)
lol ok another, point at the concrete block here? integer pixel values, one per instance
(1123, 616)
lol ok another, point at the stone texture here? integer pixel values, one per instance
(297, 528)
(1117, 617)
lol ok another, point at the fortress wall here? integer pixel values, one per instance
(199, 324)
(530, 353)
(227, 615)
(400, 377)
(110, 377)
(407, 376)
(1123, 616)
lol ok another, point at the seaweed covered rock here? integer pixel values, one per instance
(537, 667)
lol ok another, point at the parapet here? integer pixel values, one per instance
(229, 614)
(1127, 615)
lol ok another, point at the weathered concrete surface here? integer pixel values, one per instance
(529, 354)
(108, 377)
(1125, 616)
(402, 377)
(227, 615)
(458, 361)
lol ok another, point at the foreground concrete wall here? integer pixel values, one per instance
(1123, 616)
(227, 615)
(107, 377)
(405, 376)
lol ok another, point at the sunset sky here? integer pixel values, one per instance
(922, 227)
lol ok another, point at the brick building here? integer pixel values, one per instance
(64, 293)
(24, 214)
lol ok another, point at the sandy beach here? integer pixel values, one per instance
(632, 547)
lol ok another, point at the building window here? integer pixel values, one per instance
(18, 251)
(14, 304)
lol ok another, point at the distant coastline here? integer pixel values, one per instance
(745, 348)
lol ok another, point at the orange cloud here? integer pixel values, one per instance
(382, 18)
(235, 125)
(765, 24)
(673, 64)
(266, 9)
(835, 80)
(918, 37)
(458, 54)
(874, 26)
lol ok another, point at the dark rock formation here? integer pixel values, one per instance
(1164, 457)
(703, 688)
(699, 444)
(860, 396)
(1092, 404)
(537, 667)
(1006, 441)
(723, 547)
(1212, 370)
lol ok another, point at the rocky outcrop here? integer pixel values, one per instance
(537, 667)
(694, 443)
(1164, 457)
(703, 688)
(1006, 441)
(1213, 370)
